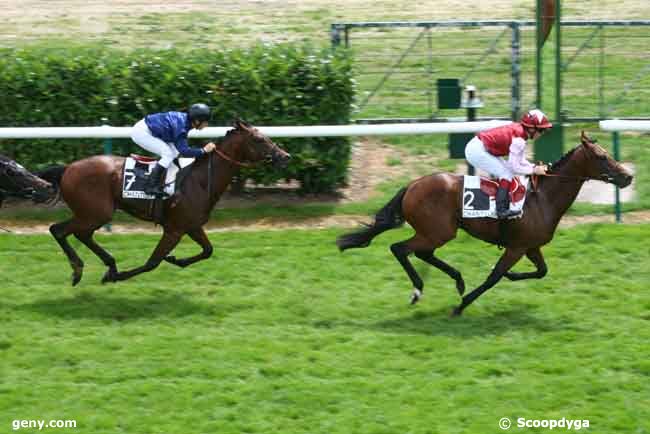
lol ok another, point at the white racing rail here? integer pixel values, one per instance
(616, 125)
(108, 132)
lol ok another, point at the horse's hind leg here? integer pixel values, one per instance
(86, 237)
(60, 232)
(401, 251)
(428, 256)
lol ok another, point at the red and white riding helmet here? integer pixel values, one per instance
(535, 119)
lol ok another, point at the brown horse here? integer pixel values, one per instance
(92, 188)
(432, 206)
(16, 181)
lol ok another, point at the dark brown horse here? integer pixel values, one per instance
(16, 181)
(92, 188)
(432, 206)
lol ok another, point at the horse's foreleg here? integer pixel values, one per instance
(60, 232)
(200, 237)
(168, 241)
(536, 257)
(507, 260)
(87, 239)
(428, 256)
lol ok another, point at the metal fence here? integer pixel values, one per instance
(605, 68)
(616, 126)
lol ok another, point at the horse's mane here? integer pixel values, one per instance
(562, 161)
(230, 132)
(219, 141)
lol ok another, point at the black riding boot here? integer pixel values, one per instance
(153, 185)
(503, 204)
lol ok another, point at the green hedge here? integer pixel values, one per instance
(265, 85)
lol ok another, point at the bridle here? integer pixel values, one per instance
(605, 174)
(231, 160)
(268, 158)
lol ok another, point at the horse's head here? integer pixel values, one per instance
(258, 147)
(15, 180)
(598, 164)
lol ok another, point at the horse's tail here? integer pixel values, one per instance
(389, 217)
(52, 174)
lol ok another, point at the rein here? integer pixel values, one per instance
(557, 175)
(209, 178)
(231, 160)
(603, 177)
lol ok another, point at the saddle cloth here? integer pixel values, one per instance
(479, 196)
(136, 172)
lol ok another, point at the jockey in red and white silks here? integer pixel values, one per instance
(486, 149)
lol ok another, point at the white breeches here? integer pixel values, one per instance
(478, 157)
(141, 135)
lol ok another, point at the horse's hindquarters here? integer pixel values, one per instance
(431, 206)
(88, 187)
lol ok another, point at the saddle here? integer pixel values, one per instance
(136, 172)
(479, 194)
(137, 169)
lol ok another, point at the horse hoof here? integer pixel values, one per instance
(170, 259)
(416, 296)
(108, 277)
(456, 312)
(76, 277)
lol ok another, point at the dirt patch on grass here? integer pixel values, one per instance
(372, 162)
(369, 166)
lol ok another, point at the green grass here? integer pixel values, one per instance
(280, 333)
(608, 83)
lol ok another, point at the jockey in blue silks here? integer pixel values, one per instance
(165, 134)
